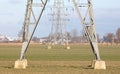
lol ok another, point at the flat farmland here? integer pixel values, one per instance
(58, 60)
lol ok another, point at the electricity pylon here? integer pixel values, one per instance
(87, 23)
(58, 33)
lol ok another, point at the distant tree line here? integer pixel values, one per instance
(112, 38)
(75, 37)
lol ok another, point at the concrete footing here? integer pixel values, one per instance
(68, 47)
(21, 64)
(49, 47)
(98, 64)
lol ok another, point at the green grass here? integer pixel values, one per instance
(57, 53)
(58, 60)
(110, 53)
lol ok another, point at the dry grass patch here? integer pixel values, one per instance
(59, 67)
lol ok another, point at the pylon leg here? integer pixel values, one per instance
(23, 50)
(27, 36)
(90, 32)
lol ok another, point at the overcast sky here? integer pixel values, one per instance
(106, 12)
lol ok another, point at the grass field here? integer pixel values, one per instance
(58, 60)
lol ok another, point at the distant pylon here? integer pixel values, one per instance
(58, 33)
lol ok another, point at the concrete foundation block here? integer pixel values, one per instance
(21, 64)
(49, 47)
(68, 47)
(96, 64)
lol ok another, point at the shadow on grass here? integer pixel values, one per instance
(79, 67)
(88, 67)
(51, 66)
(82, 67)
(7, 67)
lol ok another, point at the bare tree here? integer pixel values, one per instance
(68, 35)
(20, 33)
(74, 34)
(98, 38)
(118, 35)
(36, 39)
(109, 38)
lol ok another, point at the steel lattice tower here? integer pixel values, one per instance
(87, 22)
(58, 30)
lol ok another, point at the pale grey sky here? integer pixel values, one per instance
(107, 17)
